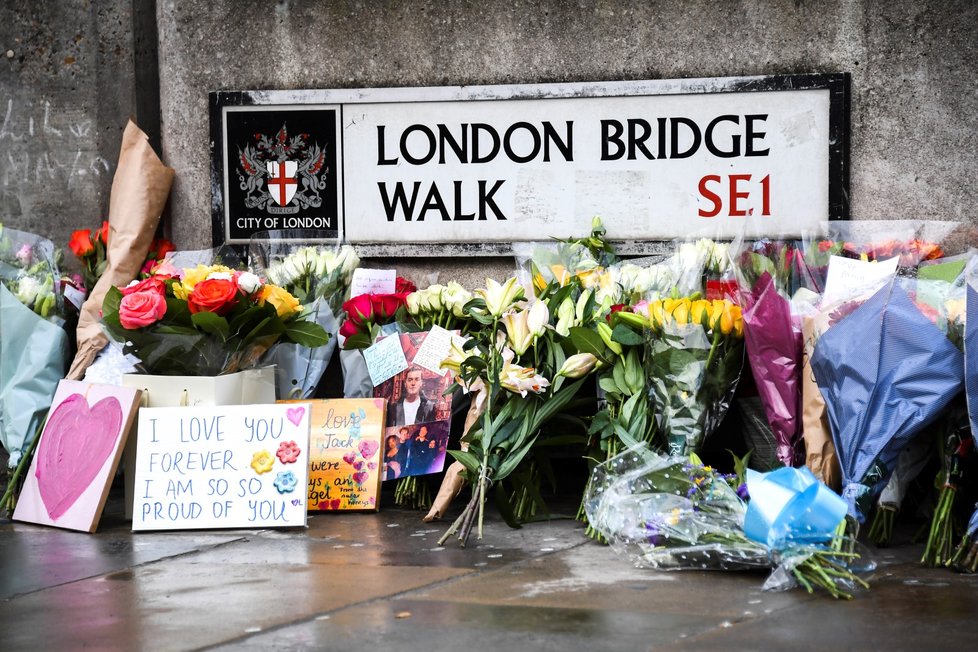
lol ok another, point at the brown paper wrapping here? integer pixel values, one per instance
(820, 455)
(453, 482)
(139, 191)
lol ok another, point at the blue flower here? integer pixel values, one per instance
(285, 482)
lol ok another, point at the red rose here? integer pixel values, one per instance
(151, 284)
(141, 309)
(160, 247)
(103, 233)
(359, 309)
(385, 305)
(81, 243)
(404, 286)
(216, 295)
(825, 245)
(348, 329)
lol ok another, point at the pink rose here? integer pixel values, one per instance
(141, 309)
(151, 284)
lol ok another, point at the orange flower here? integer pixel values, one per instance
(81, 243)
(103, 233)
(160, 247)
(213, 295)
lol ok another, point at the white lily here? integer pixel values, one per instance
(500, 297)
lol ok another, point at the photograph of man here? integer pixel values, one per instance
(413, 406)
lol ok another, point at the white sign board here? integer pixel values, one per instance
(484, 165)
(243, 466)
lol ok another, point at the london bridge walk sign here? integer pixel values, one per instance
(471, 169)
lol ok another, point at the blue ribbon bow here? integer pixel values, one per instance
(790, 506)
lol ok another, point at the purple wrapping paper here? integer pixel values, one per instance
(774, 348)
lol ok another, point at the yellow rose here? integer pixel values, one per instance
(285, 304)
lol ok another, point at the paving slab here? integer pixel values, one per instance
(355, 581)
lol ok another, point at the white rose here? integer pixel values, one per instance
(224, 276)
(248, 282)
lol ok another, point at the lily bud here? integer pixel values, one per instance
(578, 365)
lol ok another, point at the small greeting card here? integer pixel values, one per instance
(345, 451)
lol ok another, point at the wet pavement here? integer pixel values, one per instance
(381, 581)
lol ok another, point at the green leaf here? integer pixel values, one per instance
(609, 385)
(586, 340)
(513, 459)
(110, 304)
(211, 323)
(625, 335)
(618, 373)
(468, 460)
(357, 341)
(306, 333)
(177, 330)
(556, 403)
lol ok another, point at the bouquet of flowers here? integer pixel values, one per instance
(773, 283)
(366, 314)
(33, 344)
(672, 512)
(319, 278)
(694, 354)
(517, 363)
(885, 371)
(439, 305)
(208, 320)
(90, 248)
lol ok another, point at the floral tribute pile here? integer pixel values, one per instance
(840, 369)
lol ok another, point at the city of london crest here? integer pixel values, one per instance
(282, 174)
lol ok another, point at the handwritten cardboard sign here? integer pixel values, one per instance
(242, 466)
(77, 455)
(345, 450)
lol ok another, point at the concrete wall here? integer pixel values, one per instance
(67, 85)
(914, 100)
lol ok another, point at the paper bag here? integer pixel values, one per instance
(248, 387)
(820, 456)
(139, 191)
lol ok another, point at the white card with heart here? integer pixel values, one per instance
(243, 466)
(77, 455)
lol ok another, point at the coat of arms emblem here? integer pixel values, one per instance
(282, 174)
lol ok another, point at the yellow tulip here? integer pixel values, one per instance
(726, 322)
(657, 313)
(681, 312)
(561, 275)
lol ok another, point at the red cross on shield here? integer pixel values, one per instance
(281, 180)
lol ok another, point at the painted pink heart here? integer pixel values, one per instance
(372, 466)
(360, 477)
(295, 414)
(350, 457)
(334, 503)
(77, 441)
(358, 465)
(368, 448)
